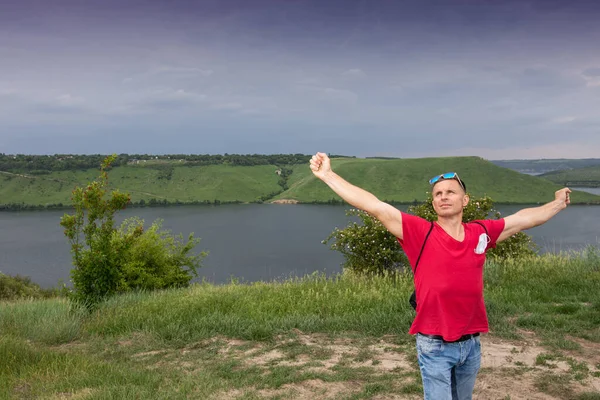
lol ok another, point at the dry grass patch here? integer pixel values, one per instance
(80, 394)
(313, 389)
(324, 367)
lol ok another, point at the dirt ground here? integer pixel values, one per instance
(515, 370)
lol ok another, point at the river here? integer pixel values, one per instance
(250, 242)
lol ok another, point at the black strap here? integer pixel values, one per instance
(423, 247)
(483, 226)
(427, 237)
(413, 297)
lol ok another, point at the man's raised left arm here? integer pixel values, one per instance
(532, 217)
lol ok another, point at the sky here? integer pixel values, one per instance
(495, 79)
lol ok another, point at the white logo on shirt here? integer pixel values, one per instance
(482, 245)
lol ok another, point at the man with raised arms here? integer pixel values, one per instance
(450, 256)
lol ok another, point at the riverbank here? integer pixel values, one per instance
(315, 337)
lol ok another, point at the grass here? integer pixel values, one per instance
(404, 181)
(397, 180)
(587, 176)
(200, 183)
(300, 338)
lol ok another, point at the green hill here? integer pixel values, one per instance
(586, 177)
(546, 165)
(200, 183)
(394, 180)
(405, 180)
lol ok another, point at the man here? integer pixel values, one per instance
(449, 278)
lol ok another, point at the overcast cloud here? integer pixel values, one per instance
(505, 79)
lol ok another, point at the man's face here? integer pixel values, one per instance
(449, 198)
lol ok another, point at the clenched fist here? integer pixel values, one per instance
(562, 195)
(320, 165)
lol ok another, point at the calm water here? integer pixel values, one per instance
(251, 242)
(589, 190)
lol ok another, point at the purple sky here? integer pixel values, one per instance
(496, 79)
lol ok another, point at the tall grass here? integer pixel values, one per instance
(52, 322)
(554, 294)
(316, 303)
(34, 372)
(51, 347)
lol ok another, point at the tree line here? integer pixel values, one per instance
(40, 164)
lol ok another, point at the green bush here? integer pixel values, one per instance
(20, 287)
(153, 258)
(368, 247)
(109, 260)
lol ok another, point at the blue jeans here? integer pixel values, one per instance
(448, 370)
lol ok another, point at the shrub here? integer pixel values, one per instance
(153, 258)
(21, 287)
(109, 261)
(367, 247)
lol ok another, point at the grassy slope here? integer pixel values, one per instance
(405, 180)
(398, 180)
(225, 183)
(547, 164)
(588, 174)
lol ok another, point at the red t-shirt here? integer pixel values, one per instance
(449, 278)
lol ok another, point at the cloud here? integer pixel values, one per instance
(228, 106)
(169, 73)
(164, 100)
(546, 80)
(353, 73)
(63, 104)
(592, 77)
(592, 72)
(563, 120)
(330, 94)
(5, 92)
(554, 150)
(67, 100)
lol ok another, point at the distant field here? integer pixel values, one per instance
(547, 165)
(200, 183)
(588, 177)
(394, 180)
(405, 180)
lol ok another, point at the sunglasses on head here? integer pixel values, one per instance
(447, 175)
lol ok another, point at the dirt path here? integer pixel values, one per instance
(515, 370)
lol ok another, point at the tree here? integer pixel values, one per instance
(109, 260)
(367, 247)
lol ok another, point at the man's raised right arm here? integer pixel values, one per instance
(389, 216)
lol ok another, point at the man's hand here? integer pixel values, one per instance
(320, 165)
(389, 216)
(563, 197)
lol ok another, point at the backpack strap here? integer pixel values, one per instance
(423, 247)
(413, 297)
(483, 226)
(427, 237)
